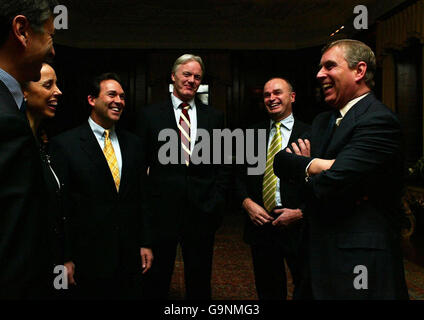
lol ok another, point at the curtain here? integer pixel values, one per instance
(393, 33)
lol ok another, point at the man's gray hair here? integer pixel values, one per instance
(356, 51)
(36, 11)
(187, 58)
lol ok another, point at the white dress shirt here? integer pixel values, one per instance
(191, 113)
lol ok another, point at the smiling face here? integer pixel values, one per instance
(108, 106)
(42, 96)
(187, 80)
(339, 82)
(278, 99)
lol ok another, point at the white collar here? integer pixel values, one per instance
(176, 102)
(287, 122)
(99, 130)
(351, 103)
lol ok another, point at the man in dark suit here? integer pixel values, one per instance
(186, 200)
(26, 29)
(264, 198)
(103, 169)
(353, 185)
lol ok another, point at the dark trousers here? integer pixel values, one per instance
(270, 271)
(303, 289)
(197, 253)
(117, 287)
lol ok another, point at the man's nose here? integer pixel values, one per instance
(119, 100)
(320, 74)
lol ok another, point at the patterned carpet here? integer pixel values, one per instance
(232, 275)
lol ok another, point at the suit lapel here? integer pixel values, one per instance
(168, 116)
(348, 123)
(125, 155)
(320, 136)
(295, 133)
(202, 113)
(91, 147)
(263, 125)
(8, 104)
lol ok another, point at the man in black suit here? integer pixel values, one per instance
(26, 29)
(186, 200)
(103, 169)
(353, 185)
(272, 242)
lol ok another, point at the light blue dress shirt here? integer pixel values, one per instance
(13, 86)
(286, 130)
(99, 133)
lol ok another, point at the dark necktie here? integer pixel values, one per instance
(330, 130)
(23, 106)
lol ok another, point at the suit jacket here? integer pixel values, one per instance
(180, 198)
(56, 209)
(105, 227)
(353, 209)
(250, 186)
(24, 255)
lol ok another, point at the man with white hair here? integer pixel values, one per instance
(186, 200)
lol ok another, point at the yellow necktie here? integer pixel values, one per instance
(269, 186)
(111, 159)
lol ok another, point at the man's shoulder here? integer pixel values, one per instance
(208, 107)
(127, 135)
(70, 134)
(7, 103)
(301, 125)
(265, 124)
(155, 108)
(371, 107)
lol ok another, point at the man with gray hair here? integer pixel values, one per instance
(186, 200)
(26, 30)
(352, 173)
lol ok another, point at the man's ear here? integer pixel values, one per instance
(293, 96)
(21, 29)
(91, 100)
(361, 70)
(172, 77)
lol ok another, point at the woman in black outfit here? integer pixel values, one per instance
(41, 101)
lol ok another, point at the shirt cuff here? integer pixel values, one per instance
(307, 175)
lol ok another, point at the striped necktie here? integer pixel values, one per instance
(269, 186)
(184, 126)
(111, 159)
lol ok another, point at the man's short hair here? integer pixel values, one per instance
(94, 86)
(36, 11)
(284, 79)
(356, 51)
(187, 58)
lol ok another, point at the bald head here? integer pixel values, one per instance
(278, 98)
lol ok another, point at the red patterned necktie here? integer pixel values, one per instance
(184, 126)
